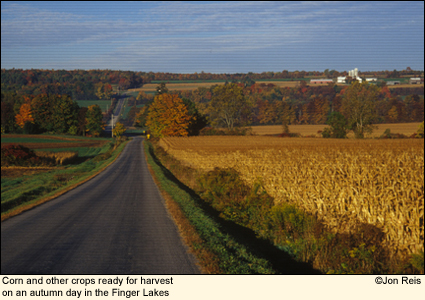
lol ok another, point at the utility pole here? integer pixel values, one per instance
(112, 129)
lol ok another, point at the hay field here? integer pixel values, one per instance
(403, 86)
(342, 182)
(311, 130)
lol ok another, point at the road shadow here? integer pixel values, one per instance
(281, 261)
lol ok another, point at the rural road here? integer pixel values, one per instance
(116, 115)
(115, 223)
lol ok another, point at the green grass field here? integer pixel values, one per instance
(33, 140)
(187, 81)
(102, 103)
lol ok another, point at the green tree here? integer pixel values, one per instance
(94, 123)
(229, 107)
(81, 127)
(420, 132)
(43, 106)
(161, 89)
(359, 107)
(247, 81)
(7, 116)
(65, 114)
(197, 120)
(338, 126)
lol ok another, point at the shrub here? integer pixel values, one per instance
(420, 132)
(30, 128)
(18, 155)
(289, 134)
(234, 131)
(228, 194)
(417, 261)
(388, 135)
(103, 156)
(211, 131)
(291, 220)
(338, 126)
(73, 130)
(326, 133)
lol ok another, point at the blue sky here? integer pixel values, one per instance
(216, 37)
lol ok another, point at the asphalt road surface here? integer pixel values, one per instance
(115, 223)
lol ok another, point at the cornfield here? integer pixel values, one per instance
(342, 182)
(60, 158)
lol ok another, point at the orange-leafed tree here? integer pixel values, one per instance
(321, 110)
(25, 115)
(168, 116)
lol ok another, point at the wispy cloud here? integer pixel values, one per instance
(190, 33)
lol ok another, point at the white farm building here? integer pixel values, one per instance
(341, 79)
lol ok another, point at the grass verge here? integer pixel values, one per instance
(24, 193)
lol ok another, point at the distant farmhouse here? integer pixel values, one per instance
(354, 74)
(416, 80)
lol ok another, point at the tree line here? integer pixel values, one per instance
(49, 113)
(239, 102)
(355, 107)
(83, 84)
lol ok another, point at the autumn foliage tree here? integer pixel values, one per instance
(25, 115)
(168, 116)
(229, 106)
(118, 130)
(103, 90)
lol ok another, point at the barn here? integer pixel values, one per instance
(416, 80)
(341, 79)
(320, 81)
